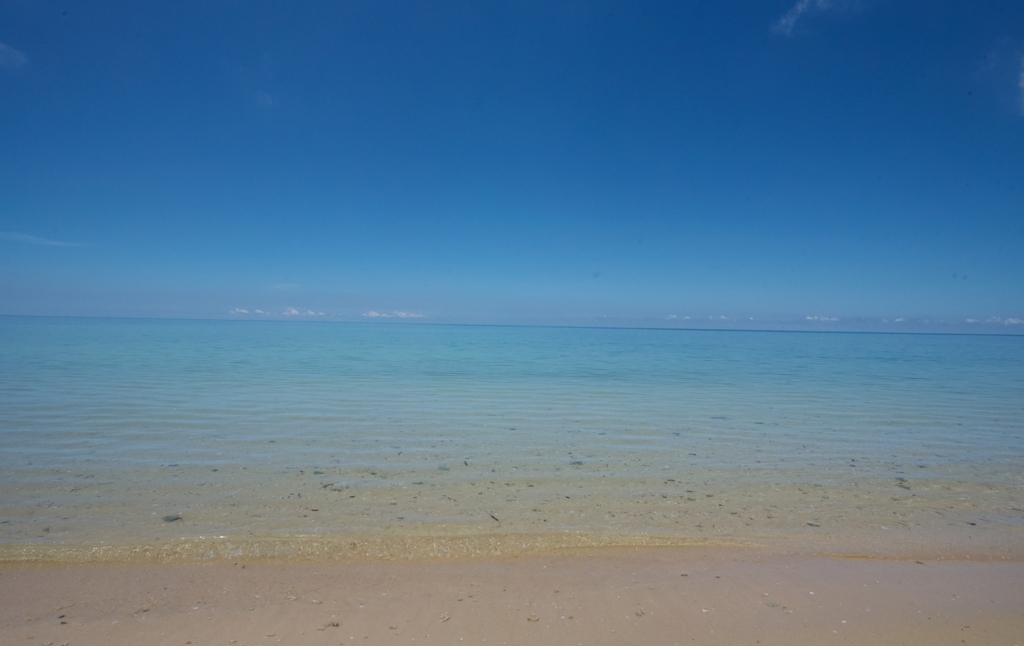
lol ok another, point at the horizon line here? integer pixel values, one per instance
(414, 322)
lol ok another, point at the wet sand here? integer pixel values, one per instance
(602, 596)
(323, 514)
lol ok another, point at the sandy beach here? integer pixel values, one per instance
(606, 596)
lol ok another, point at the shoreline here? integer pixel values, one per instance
(669, 595)
(1001, 544)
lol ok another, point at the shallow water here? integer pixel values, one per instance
(268, 431)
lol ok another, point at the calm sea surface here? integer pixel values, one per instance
(135, 432)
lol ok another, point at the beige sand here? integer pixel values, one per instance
(621, 596)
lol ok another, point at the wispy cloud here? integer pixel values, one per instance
(998, 319)
(1020, 84)
(27, 239)
(266, 99)
(384, 315)
(822, 318)
(11, 59)
(239, 310)
(291, 311)
(787, 22)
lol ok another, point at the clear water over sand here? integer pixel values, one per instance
(331, 440)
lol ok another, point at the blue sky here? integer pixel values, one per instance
(743, 164)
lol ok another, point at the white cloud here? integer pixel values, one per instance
(238, 310)
(672, 317)
(686, 318)
(383, 315)
(900, 320)
(260, 312)
(972, 320)
(785, 24)
(723, 317)
(27, 239)
(823, 318)
(291, 311)
(1012, 321)
(10, 58)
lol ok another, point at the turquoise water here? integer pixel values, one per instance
(225, 422)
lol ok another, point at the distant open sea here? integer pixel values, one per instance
(162, 439)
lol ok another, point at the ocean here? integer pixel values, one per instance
(165, 439)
